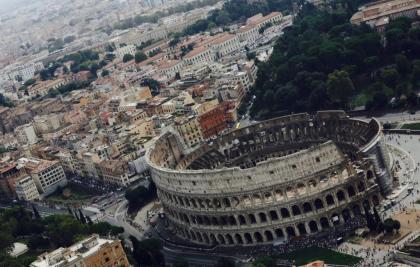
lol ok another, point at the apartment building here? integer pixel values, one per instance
(123, 50)
(114, 172)
(189, 129)
(25, 134)
(212, 122)
(26, 189)
(90, 252)
(224, 44)
(378, 14)
(199, 55)
(250, 32)
(42, 88)
(48, 175)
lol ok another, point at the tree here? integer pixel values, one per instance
(390, 76)
(29, 82)
(225, 262)
(44, 74)
(89, 220)
(139, 57)
(389, 225)
(339, 86)
(105, 73)
(127, 57)
(266, 261)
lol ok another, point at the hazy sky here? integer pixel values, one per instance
(6, 5)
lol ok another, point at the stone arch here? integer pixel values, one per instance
(350, 191)
(232, 220)
(296, 210)
(241, 219)
(229, 239)
(194, 204)
(356, 210)
(323, 181)
(375, 200)
(214, 221)
(302, 229)
(279, 233)
(329, 199)
(263, 217)
(181, 201)
(221, 239)
(279, 195)
(206, 238)
(213, 239)
(206, 220)
(318, 204)
(268, 235)
(307, 207)
(199, 219)
(268, 197)
(258, 237)
(301, 188)
(201, 203)
(238, 239)
(248, 238)
(312, 184)
(324, 223)
(369, 174)
(208, 203)
(187, 202)
(290, 231)
(216, 203)
(313, 226)
(257, 199)
(346, 215)
(366, 204)
(199, 237)
(193, 235)
(226, 202)
(340, 195)
(284, 213)
(246, 200)
(252, 218)
(273, 215)
(361, 186)
(234, 202)
(290, 192)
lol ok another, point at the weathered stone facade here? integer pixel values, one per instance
(284, 177)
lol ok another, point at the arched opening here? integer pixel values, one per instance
(301, 189)
(366, 204)
(229, 239)
(369, 174)
(232, 220)
(361, 186)
(279, 195)
(290, 231)
(221, 239)
(263, 217)
(290, 192)
(238, 239)
(248, 238)
(223, 220)
(350, 191)
(295, 210)
(201, 203)
(199, 220)
(206, 238)
(192, 234)
(279, 233)
(246, 200)
(258, 237)
(206, 220)
(307, 207)
(186, 219)
(252, 218)
(330, 200)
(346, 215)
(335, 219)
(267, 197)
(214, 221)
(199, 237)
(235, 202)
(324, 223)
(319, 204)
(187, 234)
(181, 202)
(226, 202)
(187, 202)
(356, 210)
(257, 199)
(375, 200)
(242, 220)
(208, 203)
(285, 213)
(313, 226)
(268, 235)
(193, 203)
(301, 229)
(340, 196)
(216, 203)
(213, 239)
(273, 215)
(312, 184)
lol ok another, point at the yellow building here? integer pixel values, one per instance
(189, 129)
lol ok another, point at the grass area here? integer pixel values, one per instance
(306, 255)
(72, 194)
(360, 100)
(411, 126)
(355, 239)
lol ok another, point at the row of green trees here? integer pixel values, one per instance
(323, 62)
(44, 234)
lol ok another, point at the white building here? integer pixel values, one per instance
(26, 189)
(224, 44)
(199, 55)
(47, 175)
(23, 71)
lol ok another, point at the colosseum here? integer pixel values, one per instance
(281, 178)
